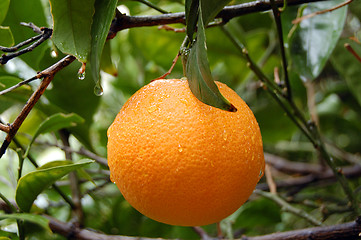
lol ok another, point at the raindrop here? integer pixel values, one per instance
(152, 108)
(81, 72)
(260, 174)
(98, 90)
(81, 75)
(53, 54)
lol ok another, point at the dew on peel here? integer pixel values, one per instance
(152, 109)
(224, 135)
(180, 149)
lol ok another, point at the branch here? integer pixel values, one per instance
(300, 182)
(46, 34)
(288, 207)
(121, 21)
(48, 75)
(343, 231)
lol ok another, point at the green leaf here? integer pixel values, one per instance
(4, 6)
(37, 219)
(104, 13)
(199, 74)
(81, 172)
(106, 63)
(210, 8)
(191, 13)
(54, 123)
(33, 183)
(72, 21)
(312, 43)
(6, 37)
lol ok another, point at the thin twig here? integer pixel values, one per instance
(74, 181)
(293, 112)
(298, 20)
(47, 32)
(4, 128)
(352, 51)
(122, 21)
(169, 28)
(288, 207)
(82, 151)
(277, 16)
(171, 68)
(18, 85)
(323, 177)
(31, 25)
(271, 183)
(22, 44)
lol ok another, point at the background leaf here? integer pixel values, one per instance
(56, 122)
(311, 45)
(4, 6)
(104, 13)
(33, 183)
(6, 37)
(37, 219)
(72, 21)
(199, 74)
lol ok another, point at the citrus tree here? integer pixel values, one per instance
(68, 67)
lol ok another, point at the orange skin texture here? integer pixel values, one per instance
(180, 161)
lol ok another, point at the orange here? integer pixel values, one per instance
(180, 161)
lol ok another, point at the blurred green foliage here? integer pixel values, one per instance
(138, 55)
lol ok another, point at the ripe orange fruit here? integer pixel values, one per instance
(180, 161)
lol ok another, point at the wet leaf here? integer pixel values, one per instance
(312, 43)
(104, 13)
(37, 219)
(210, 8)
(191, 13)
(72, 20)
(199, 74)
(56, 122)
(33, 183)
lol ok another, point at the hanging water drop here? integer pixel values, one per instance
(81, 76)
(53, 54)
(81, 71)
(98, 90)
